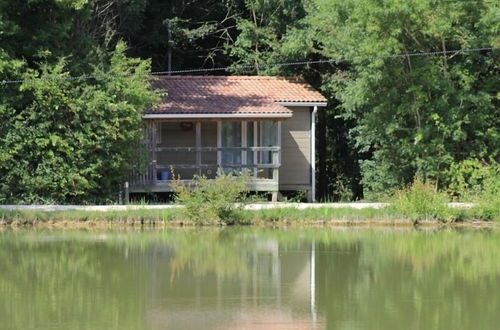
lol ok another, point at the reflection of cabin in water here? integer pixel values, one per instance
(231, 123)
(273, 288)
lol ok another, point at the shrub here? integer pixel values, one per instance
(73, 141)
(421, 201)
(213, 201)
(471, 178)
(487, 201)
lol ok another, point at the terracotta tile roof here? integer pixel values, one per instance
(231, 94)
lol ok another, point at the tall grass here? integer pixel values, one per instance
(165, 216)
(487, 201)
(421, 202)
(78, 216)
(315, 215)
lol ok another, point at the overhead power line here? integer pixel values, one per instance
(253, 67)
(332, 61)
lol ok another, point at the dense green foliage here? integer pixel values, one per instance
(70, 141)
(414, 115)
(215, 201)
(66, 140)
(389, 119)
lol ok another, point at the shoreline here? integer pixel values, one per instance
(89, 225)
(152, 224)
(256, 215)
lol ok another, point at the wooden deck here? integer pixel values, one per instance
(166, 185)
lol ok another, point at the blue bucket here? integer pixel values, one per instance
(164, 175)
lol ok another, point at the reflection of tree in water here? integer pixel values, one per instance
(57, 280)
(89, 277)
(424, 280)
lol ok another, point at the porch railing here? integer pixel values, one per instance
(149, 174)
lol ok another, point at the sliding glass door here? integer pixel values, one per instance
(237, 139)
(231, 138)
(267, 139)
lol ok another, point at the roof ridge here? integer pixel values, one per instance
(226, 77)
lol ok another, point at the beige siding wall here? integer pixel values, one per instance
(296, 150)
(172, 135)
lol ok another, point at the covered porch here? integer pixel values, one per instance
(182, 148)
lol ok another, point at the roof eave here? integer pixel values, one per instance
(302, 104)
(214, 115)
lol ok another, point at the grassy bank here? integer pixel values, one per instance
(285, 215)
(222, 201)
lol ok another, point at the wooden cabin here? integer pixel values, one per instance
(230, 123)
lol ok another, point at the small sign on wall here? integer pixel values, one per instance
(187, 126)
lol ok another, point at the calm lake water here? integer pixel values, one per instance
(250, 278)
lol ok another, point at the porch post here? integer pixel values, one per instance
(278, 140)
(255, 144)
(244, 144)
(153, 144)
(276, 160)
(198, 147)
(219, 144)
(276, 154)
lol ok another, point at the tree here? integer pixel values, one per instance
(262, 27)
(414, 115)
(278, 32)
(200, 31)
(65, 140)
